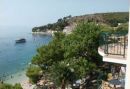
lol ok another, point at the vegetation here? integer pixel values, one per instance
(111, 19)
(122, 28)
(8, 86)
(58, 26)
(114, 18)
(69, 58)
(33, 73)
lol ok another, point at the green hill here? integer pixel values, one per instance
(112, 19)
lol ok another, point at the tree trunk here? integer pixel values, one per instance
(63, 84)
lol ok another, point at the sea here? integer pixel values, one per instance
(16, 57)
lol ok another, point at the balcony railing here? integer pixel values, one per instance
(114, 43)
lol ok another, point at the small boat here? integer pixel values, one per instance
(22, 40)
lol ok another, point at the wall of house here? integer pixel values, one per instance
(127, 85)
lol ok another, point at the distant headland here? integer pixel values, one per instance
(68, 23)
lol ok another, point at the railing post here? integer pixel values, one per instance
(107, 43)
(124, 46)
(114, 44)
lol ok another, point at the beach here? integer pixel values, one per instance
(19, 77)
(14, 58)
(16, 78)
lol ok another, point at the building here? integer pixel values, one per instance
(127, 86)
(114, 48)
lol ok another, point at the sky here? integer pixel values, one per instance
(40, 12)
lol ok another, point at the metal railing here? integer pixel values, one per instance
(114, 43)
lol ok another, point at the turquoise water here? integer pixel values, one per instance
(15, 57)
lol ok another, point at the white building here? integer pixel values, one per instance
(117, 50)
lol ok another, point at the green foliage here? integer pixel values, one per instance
(114, 18)
(33, 73)
(81, 67)
(17, 86)
(8, 86)
(68, 58)
(51, 53)
(58, 26)
(111, 19)
(83, 42)
(61, 71)
(123, 28)
(106, 28)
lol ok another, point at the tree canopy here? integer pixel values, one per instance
(68, 58)
(33, 73)
(8, 86)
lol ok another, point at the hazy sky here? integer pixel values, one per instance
(39, 12)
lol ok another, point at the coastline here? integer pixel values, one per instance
(42, 33)
(16, 78)
(20, 77)
(66, 30)
(49, 32)
(12, 66)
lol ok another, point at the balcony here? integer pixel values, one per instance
(113, 47)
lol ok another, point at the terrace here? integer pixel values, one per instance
(113, 47)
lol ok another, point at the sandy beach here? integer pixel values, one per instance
(21, 78)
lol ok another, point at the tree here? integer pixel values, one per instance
(17, 86)
(51, 53)
(83, 42)
(8, 86)
(34, 29)
(114, 18)
(72, 55)
(33, 73)
(62, 74)
(123, 28)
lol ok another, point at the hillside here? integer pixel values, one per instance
(112, 19)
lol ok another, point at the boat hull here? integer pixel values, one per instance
(20, 41)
